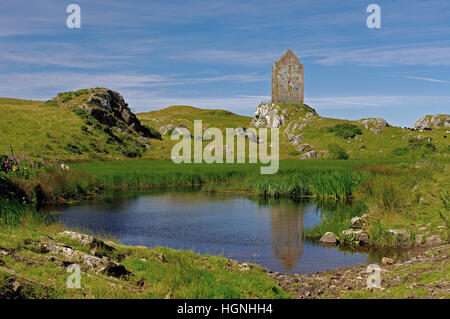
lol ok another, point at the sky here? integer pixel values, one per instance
(219, 54)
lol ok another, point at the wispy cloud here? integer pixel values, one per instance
(418, 54)
(227, 56)
(426, 79)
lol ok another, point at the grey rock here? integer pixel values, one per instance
(329, 238)
(433, 240)
(356, 222)
(109, 108)
(432, 121)
(375, 125)
(311, 155)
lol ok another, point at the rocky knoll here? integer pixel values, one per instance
(432, 122)
(110, 109)
(272, 115)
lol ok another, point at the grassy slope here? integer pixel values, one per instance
(366, 146)
(185, 115)
(40, 128)
(166, 273)
(53, 129)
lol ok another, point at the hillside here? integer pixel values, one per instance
(73, 126)
(97, 124)
(305, 134)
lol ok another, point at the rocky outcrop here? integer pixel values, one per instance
(432, 121)
(313, 154)
(272, 115)
(375, 125)
(109, 108)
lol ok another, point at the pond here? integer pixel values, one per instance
(245, 228)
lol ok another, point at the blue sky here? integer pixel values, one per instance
(219, 54)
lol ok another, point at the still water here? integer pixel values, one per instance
(239, 227)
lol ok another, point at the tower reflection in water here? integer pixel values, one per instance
(287, 228)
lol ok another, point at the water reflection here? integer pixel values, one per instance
(287, 226)
(241, 227)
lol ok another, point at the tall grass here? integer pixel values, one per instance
(53, 185)
(327, 179)
(13, 212)
(336, 217)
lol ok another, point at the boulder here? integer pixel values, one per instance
(375, 125)
(387, 261)
(433, 240)
(311, 155)
(356, 222)
(328, 238)
(432, 121)
(360, 236)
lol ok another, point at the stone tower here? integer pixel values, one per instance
(287, 79)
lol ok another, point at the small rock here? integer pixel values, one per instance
(387, 261)
(328, 237)
(419, 239)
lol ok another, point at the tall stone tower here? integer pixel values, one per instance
(287, 79)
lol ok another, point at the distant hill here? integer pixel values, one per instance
(97, 124)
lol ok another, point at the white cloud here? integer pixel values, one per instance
(420, 54)
(426, 79)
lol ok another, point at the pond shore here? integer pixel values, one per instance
(35, 266)
(426, 275)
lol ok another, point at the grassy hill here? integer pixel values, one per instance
(391, 142)
(59, 128)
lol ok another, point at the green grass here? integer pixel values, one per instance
(13, 212)
(59, 129)
(328, 179)
(167, 273)
(335, 219)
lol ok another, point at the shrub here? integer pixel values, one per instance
(399, 151)
(131, 152)
(345, 130)
(77, 149)
(152, 132)
(421, 144)
(51, 103)
(337, 152)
